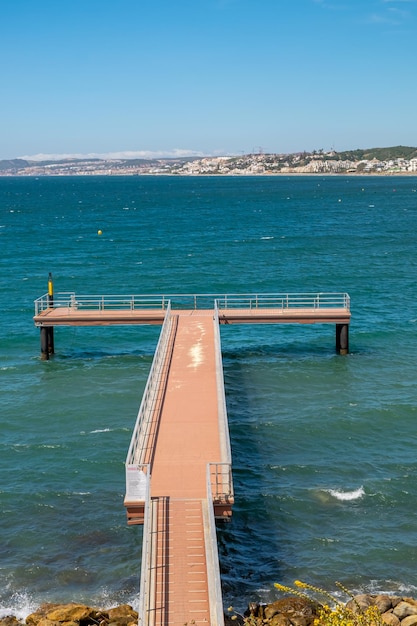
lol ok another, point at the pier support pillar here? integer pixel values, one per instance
(47, 342)
(342, 338)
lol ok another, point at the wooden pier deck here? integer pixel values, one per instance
(187, 440)
(178, 467)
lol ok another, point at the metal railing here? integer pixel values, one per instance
(285, 301)
(212, 557)
(148, 410)
(225, 448)
(102, 302)
(219, 475)
(134, 302)
(148, 556)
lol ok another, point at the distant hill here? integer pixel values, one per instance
(381, 154)
(11, 164)
(375, 160)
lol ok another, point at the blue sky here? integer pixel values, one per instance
(146, 78)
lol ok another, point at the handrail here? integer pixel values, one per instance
(221, 482)
(133, 302)
(212, 557)
(143, 426)
(285, 301)
(147, 552)
(226, 453)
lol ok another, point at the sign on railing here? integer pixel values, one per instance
(136, 483)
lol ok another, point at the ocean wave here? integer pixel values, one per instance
(346, 495)
(20, 605)
(100, 430)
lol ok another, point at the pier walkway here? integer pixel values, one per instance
(178, 466)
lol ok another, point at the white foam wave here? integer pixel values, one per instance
(20, 605)
(100, 430)
(347, 495)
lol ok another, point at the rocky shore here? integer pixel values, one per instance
(298, 611)
(73, 614)
(288, 611)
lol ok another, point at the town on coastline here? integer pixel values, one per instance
(386, 161)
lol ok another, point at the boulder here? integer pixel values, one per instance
(70, 613)
(383, 603)
(278, 620)
(411, 620)
(404, 609)
(363, 601)
(411, 601)
(73, 614)
(11, 620)
(124, 610)
(34, 618)
(299, 611)
(390, 619)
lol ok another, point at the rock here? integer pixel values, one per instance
(229, 620)
(300, 621)
(70, 613)
(254, 609)
(404, 609)
(363, 600)
(73, 614)
(390, 619)
(299, 611)
(11, 620)
(279, 620)
(411, 620)
(124, 610)
(34, 618)
(383, 603)
(410, 601)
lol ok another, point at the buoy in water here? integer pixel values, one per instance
(99, 232)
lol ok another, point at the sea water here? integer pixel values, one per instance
(324, 447)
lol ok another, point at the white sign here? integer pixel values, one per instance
(136, 483)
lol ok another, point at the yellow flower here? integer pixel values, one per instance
(282, 587)
(299, 583)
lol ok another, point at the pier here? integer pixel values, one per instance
(179, 465)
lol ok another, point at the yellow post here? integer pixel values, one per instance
(50, 290)
(47, 332)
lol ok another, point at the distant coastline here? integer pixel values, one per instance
(399, 160)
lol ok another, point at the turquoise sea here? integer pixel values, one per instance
(324, 447)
